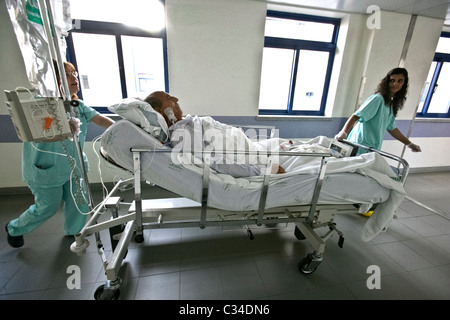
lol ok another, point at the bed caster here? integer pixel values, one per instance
(109, 291)
(139, 238)
(250, 234)
(79, 249)
(309, 264)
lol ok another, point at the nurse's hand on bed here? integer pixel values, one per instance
(341, 135)
(414, 147)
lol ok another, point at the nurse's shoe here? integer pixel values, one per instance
(14, 241)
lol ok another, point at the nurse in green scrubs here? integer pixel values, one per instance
(50, 169)
(368, 125)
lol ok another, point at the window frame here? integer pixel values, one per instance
(439, 58)
(297, 46)
(117, 30)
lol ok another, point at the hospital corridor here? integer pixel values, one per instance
(194, 264)
(195, 151)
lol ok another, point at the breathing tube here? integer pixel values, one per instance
(170, 115)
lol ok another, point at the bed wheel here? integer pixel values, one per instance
(250, 234)
(309, 264)
(108, 294)
(139, 238)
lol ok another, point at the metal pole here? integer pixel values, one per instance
(55, 53)
(411, 125)
(54, 46)
(412, 24)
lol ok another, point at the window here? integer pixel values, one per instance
(297, 62)
(435, 102)
(117, 58)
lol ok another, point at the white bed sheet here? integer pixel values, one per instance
(366, 179)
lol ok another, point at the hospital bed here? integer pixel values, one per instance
(309, 197)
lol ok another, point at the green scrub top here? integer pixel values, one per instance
(374, 119)
(42, 169)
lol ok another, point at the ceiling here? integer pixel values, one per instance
(439, 9)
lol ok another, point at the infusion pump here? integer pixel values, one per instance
(342, 148)
(38, 119)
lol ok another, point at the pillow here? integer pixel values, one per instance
(141, 113)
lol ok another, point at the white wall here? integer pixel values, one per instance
(215, 53)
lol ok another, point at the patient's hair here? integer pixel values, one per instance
(154, 101)
(400, 97)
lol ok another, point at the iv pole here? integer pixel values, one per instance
(45, 7)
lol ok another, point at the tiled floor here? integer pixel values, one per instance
(413, 257)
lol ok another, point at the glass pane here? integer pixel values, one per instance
(312, 68)
(300, 30)
(145, 14)
(443, 45)
(275, 78)
(144, 65)
(441, 98)
(98, 68)
(427, 86)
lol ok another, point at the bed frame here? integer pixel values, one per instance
(182, 213)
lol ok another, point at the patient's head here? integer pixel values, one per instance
(160, 101)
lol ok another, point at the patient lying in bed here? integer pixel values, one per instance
(193, 133)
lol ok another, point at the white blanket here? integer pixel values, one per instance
(371, 165)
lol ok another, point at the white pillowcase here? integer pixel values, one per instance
(141, 113)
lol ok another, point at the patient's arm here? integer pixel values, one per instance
(244, 170)
(102, 121)
(237, 170)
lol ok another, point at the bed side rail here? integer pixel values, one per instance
(403, 166)
(206, 155)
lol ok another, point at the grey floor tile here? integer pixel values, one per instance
(241, 280)
(68, 294)
(351, 262)
(438, 222)
(396, 231)
(361, 291)
(334, 292)
(429, 250)
(159, 287)
(414, 209)
(420, 226)
(441, 241)
(201, 284)
(435, 279)
(282, 276)
(159, 259)
(440, 205)
(405, 256)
